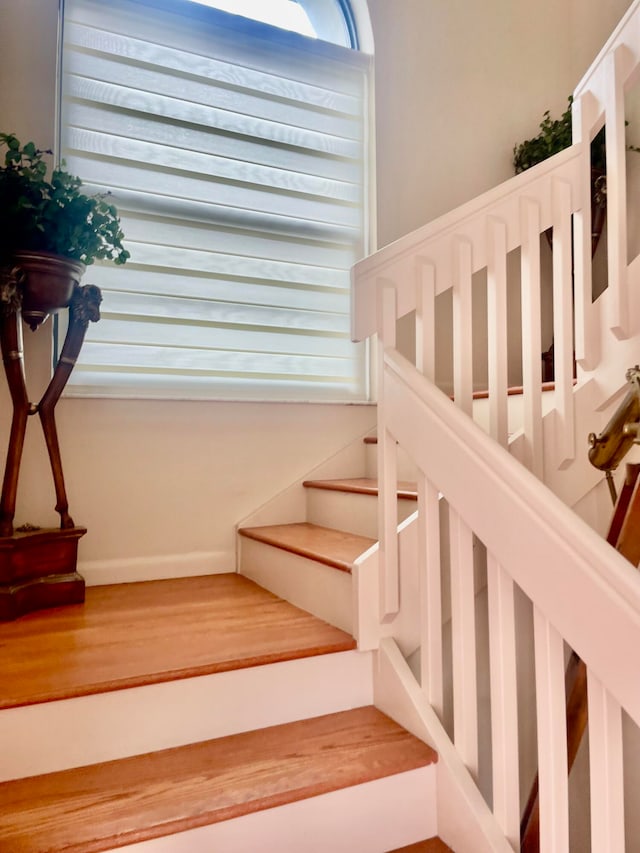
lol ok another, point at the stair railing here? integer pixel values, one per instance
(534, 544)
(583, 595)
(411, 274)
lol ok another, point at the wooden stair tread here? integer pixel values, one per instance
(133, 634)
(431, 845)
(362, 486)
(122, 802)
(335, 548)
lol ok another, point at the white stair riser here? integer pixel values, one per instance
(370, 818)
(348, 511)
(73, 732)
(406, 467)
(319, 589)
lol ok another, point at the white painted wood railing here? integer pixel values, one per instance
(581, 591)
(582, 595)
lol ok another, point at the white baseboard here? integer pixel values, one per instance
(159, 567)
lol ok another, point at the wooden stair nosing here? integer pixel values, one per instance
(336, 548)
(429, 845)
(363, 486)
(135, 799)
(131, 635)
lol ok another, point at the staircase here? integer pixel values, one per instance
(388, 663)
(200, 714)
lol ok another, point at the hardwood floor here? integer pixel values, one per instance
(95, 808)
(141, 633)
(362, 486)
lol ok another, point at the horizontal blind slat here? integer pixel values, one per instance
(130, 151)
(220, 289)
(147, 128)
(112, 175)
(205, 337)
(152, 358)
(200, 311)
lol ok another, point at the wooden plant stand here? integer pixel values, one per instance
(38, 566)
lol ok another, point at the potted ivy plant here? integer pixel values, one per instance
(50, 229)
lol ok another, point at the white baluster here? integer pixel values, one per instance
(531, 335)
(426, 318)
(616, 195)
(462, 325)
(605, 760)
(430, 593)
(587, 342)
(563, 322)
(497, 329)
(387, 465)
(552, 736)
(504, 701)
(463, 642)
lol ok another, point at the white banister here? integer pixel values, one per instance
(606, 771)
(462, 324)
(587, 344)
(616, 193)
(563, 321)
(430, 587)
(546, 571)
(426, 318)
(463, 632)
(531, 335)
(497, 329)
(504, 701)
(553, 773)
(387, 467)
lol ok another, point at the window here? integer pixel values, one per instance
(235, 152)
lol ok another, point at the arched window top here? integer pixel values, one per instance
(327, 20)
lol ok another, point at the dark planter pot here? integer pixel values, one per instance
(47, 282)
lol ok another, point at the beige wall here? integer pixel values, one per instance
(457, 85)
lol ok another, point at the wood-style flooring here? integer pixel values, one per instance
(142, 633)
(362, 486)
(121, 802)
(335, 548)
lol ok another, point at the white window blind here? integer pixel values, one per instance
(235, 153)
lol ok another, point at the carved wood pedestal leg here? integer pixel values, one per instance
(38, 567)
